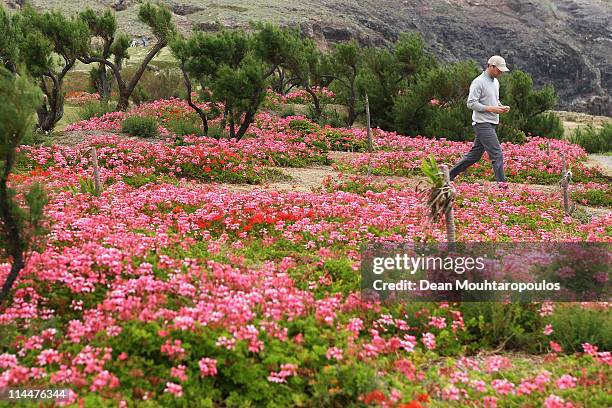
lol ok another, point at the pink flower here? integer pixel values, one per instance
(497, 363)
(334, 352)
(489, 402)
(503, 386)
(104, 380)
(287, 370)
(208, 367)
(555, 347)
(548, 330)
(438, 322)
(179, 372)
(48, 356)
(173, 388)
(429, 340)
(554, 401)
(566, 381)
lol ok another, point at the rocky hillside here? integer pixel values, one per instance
(567, 43)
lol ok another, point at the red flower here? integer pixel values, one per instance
(375, 396)
(423, 398)
(411, 404)
(207, 169)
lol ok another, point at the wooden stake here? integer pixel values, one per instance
(565, 185)
(449, 216)
(94, 159)
(369, 141)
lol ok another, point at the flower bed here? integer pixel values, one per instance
(526, 163)
(168, 293)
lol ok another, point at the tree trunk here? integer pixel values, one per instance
(15, 246)
(315, 101)
(193, 106)
(352, 115)
(279, 85)
(232, 125)
(249, 117)
(126, 91)
(52, 109)
(104, 83)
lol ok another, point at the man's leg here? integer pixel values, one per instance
(488, 138)
(470, 158)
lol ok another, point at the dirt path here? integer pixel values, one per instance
(74, 137)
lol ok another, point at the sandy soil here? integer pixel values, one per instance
(573, 120)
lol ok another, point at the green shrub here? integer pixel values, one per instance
(288, 110)
(344, 142)
(141, 126)
(154, 85)
(508, 133)
(185, 126)
(94, 109)
(217, 132)
(598, 198)
(303, 126)
(547, 125)
(593, 140)
(140, 95)
(574, 325)
(333, 118)
(514, 326)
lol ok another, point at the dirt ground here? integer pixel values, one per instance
(573, 120)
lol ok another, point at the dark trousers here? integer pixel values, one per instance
(486, 140)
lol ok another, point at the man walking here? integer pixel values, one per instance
(484, 101)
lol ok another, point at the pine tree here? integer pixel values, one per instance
(18, 226)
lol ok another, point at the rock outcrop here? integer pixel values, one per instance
(567, 43)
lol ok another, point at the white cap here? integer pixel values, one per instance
(499, 62)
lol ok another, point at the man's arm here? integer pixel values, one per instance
(473, 101)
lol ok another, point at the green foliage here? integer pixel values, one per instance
(303, 126)
(389, 73)
(88, 186)
(510, 326)
(574, 325)
(288, 110)
(593, 140)
(9, 39)
(158, 19)
(185, 126)
(235, 66)
(217, 132)
(140, 95)
(507, 133)
(94, 109)
(18, 226)
(163, 84)
(332, 117)
(382, 83)
(431, 170)
(141, 126)
(434, 105)
(49, 45)
(527, 108)
(547, 125)
(597, 198)
(346, 64)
